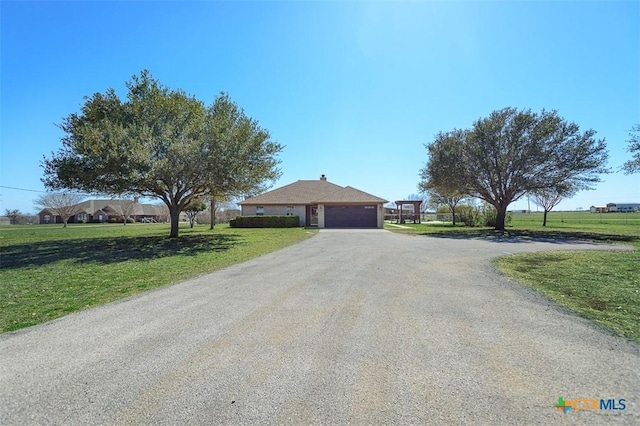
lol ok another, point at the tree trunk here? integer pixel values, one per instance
(453, 215)
(212, 211)
(501, 216)
(175, 221)
(544, 220)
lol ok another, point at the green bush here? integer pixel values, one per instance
(469, 215)
(483, 215)
(265, 222)
(489, 215)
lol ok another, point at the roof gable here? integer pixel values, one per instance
(300, 192)
(312, 192)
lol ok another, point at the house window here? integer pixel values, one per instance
(259, 210)
(47, 218)
(289, 210)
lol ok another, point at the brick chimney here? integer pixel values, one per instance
(323, 177)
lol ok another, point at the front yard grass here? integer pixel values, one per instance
(603, 286)
(47, 271)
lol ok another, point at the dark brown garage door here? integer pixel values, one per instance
(350, 217)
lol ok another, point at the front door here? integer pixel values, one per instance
(312, 215)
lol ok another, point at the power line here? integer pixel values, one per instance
(21, 189)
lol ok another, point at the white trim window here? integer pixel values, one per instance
(259, 210)
(289, 210)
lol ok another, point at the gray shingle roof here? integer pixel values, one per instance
(92, 206)
(313, 192)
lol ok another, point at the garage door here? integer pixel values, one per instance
(350, 217)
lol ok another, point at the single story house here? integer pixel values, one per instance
(598, 209)
(103, 210)
(319, 203)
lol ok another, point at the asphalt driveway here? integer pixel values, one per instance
(366, 327)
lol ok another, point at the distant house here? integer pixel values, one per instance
(623, 207)
(598, 209)
(319, 203)
(99, 211)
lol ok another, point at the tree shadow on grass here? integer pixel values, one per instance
(112, 250)
(528, 236)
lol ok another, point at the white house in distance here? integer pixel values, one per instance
(616, 208)
(623, 207)
(319, 203)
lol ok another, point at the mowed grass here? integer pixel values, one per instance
(603, 286)
(47, 271)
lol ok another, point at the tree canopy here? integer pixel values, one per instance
(633, 165)
(449, 199)
(548, 198)
(192, 209)
(513, 152)
(161, 143)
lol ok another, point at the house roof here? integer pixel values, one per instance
(351, 195)
(313, 192)
(93, 206)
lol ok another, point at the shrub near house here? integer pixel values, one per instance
(265, 222)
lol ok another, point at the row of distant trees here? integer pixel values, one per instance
(164, 144)
(513, 153)
(16, 217)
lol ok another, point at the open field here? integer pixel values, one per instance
(48, 271)
(603, 286)
(625, 223)
(603, 223)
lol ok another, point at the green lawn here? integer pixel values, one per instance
(47, 271)
(603, 286)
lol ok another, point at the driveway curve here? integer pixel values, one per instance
(362, 327)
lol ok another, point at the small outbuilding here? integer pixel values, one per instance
(412, 214)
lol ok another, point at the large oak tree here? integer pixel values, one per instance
(159, 143)
(511, 153)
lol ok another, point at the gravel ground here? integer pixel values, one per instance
(350, 326)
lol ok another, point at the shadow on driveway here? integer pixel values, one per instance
(524, 236)
(112, 250)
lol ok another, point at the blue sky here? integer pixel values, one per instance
(352, 89)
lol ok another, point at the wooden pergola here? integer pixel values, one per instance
(415, 216)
